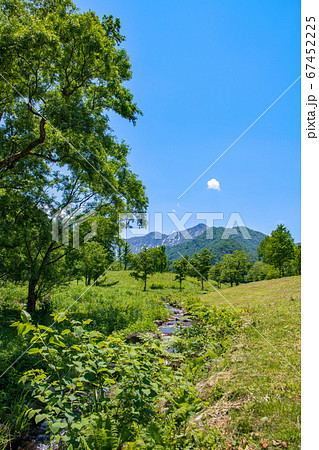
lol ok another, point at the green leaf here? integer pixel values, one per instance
(86, 322)
(57, 426)
(42, 327)
(25, 316)
(40, 417)
(212, 354)
(34, 350)
(27, 327)
(66, 331)
(33, 412)
(146, 391)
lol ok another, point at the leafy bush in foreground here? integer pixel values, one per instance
(99, 389)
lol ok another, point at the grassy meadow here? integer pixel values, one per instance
(238, 364)
(262, 389)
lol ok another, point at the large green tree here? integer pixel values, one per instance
(216, 273)
(28, 252)
(61, 72)
(161, 258)
(296, 263)
(60, 69)
(278, 248)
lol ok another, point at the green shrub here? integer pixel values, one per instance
(89, 380)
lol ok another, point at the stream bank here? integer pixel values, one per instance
(37, 439)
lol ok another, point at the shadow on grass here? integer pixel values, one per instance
(113, 283)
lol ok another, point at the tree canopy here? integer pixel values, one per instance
(143, 265)
(61, 73)
(202, 263)
(181, 269)
(278, 248)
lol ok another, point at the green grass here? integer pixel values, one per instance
(253, 390)
(260, 374)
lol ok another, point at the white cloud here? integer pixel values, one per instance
(213, 184)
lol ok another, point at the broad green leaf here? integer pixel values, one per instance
(40, 417)
(34, 350)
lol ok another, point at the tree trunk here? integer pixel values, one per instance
(144, 284)
(202, 284)
(180, 285)
(32, 296)
(280, 271)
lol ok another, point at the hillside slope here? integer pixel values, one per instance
(218, 245)
(260, 377)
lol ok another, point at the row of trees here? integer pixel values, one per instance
(152, 260)
(232, 268)
(278, 256)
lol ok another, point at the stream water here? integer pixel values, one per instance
(36, 439)
(177, 319)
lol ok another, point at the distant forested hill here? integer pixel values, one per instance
(157, 239)
(176, 242)
(217, 245)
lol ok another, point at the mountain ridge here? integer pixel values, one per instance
(156, 239)
(219, 244)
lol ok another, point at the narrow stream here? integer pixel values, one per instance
(37, 439)
(178, 319)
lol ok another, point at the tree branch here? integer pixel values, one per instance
(11, 160)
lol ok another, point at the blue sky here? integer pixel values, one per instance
(202, 73)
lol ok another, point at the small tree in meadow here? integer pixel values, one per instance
(93, 261)
(202, 262)
(143, 265)
(234, 266)
(216, 273)
(181, 268)
(126, 255)
(161, 258)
